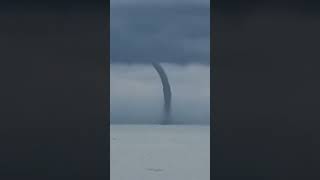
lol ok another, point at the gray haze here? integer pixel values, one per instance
(136, 93)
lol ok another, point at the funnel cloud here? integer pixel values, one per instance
(166, 92)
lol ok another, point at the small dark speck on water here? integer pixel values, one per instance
(154, 169)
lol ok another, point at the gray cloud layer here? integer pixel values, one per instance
(178, 32)
(136, 94)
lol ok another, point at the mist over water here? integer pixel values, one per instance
(136, 95)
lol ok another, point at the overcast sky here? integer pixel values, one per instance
(165, 31)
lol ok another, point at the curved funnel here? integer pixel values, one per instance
(166, 93)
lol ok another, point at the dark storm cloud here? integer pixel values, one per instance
(171, 31)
